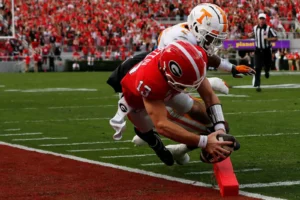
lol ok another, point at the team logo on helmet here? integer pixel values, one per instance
(175, 68)
(123, 107)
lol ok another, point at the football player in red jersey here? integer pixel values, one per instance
(161, 80)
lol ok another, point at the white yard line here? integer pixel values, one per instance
(57, 120)
(138, 171)
(264, 100)
(83, 143)
(157, 164)
(223, 95)
(52, 90)
(19, 134)
(164, 139)
(272, 184)
(107, 118)
(278, 86)
(2, 86)
(265, 135)
(91, 106)
(259, 112)
(129, 156)
(12, 129)
(236, 171)
(44, 138)
(104, 149)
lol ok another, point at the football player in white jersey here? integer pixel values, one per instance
(207, 27)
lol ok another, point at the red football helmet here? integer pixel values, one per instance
(183, 64)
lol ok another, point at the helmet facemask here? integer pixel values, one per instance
(210, 42)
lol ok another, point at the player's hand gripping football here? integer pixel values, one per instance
(241, 70)
(215, 148)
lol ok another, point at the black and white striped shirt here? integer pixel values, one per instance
(259, 33)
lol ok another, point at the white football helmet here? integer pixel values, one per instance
(208, 22)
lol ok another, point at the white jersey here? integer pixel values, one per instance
(176, 32)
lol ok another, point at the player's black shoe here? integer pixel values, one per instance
(162, 152)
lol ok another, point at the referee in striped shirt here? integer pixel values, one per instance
(263, 35)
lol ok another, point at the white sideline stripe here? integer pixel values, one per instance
(265, 135)
(129, 156)
(236, 171)
(138, 171)
(272, 184)
(19, 134)
(83, 143)
(105, 149)
(155, 164)
(44, 138)
(91, 106)
(12, 129)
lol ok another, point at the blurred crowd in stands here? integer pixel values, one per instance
(116, 29)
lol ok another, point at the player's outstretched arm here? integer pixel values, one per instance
(237, 71)
(158, 113)
(213, 105)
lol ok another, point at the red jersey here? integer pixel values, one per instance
(146, 80)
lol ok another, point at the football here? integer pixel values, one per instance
(208, 158)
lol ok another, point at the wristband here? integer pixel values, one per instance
(220, 126)
(225, 65)
(203, 141)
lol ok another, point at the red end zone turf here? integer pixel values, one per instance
(32, 175)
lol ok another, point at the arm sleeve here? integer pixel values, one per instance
(272, 33)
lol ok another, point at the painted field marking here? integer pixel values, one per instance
(12, 129)
(83, 143)
(19, 134)
(223, 95)
(265, 135)
(264, 100)
(2, 85)
(128, 156)
(259, 112)
(138, 171)
(155, 164)
(272, 184)
(107, 118)
(236, 171)
(164, 139)
(104, 149)
(278, 86)
(44, 138)
(58, 120)
(91, 106)
(53, 90)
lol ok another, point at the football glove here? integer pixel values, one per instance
(241, 70)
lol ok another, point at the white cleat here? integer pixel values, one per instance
(218, 85)
(138, 141)
(179, 153)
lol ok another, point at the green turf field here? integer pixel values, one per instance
(51, 111)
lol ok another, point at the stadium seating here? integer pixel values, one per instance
(119, 27)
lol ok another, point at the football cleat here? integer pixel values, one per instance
(179, 153)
